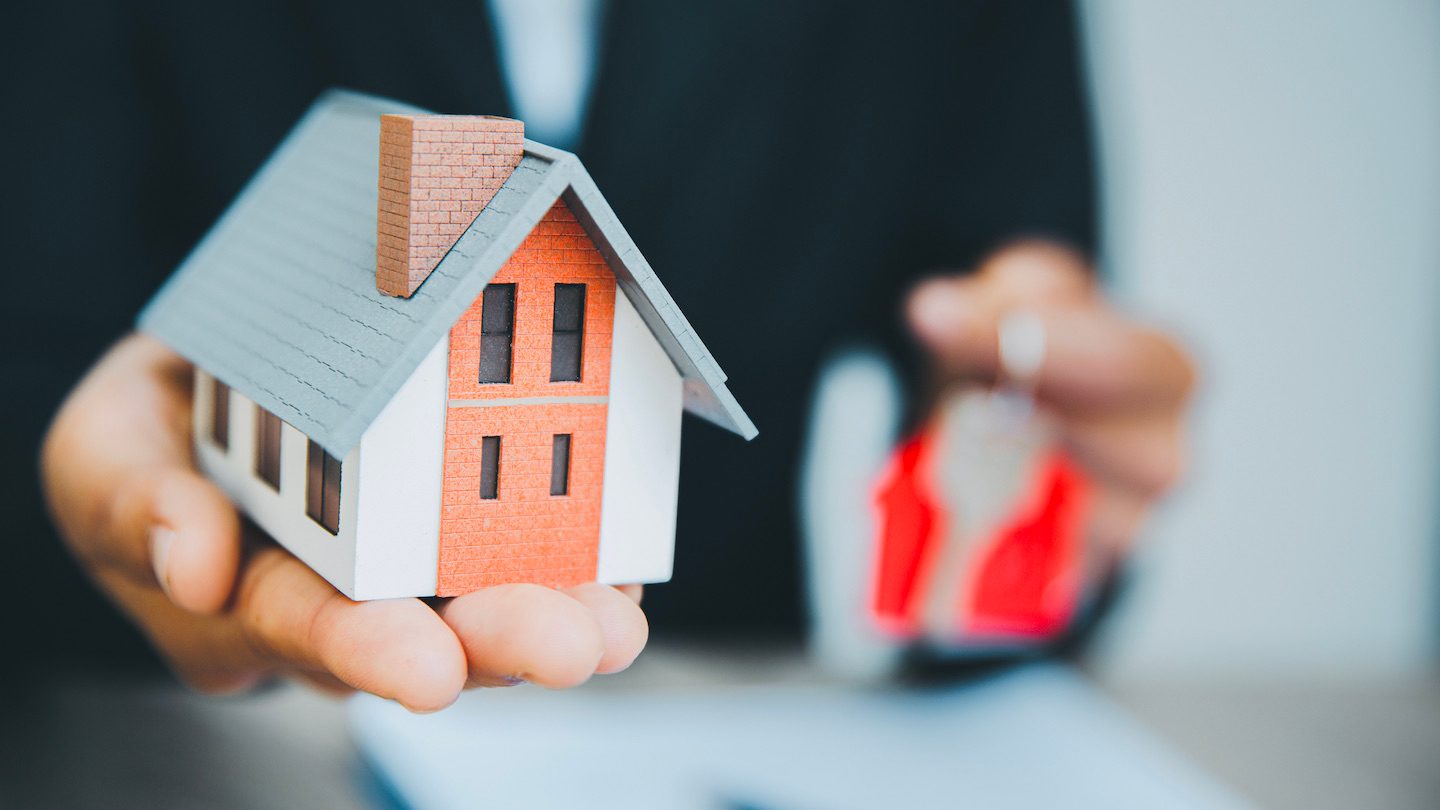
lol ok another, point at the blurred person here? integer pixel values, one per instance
(809, 164)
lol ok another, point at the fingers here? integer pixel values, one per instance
(1034, 273)
(528, 632)
(1116, 518)
(174, 528)
(1094, 359)
(325, 683)
(1144, 455)
(623, 627)
(286, 619)
(119, 481)
(395, 648)
(209, 653)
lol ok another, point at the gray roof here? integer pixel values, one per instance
(279, 301)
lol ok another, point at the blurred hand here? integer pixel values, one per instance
(1118, 390)
(228, 608)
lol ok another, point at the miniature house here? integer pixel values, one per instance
(481, 384)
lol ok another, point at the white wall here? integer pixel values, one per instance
(1273, 189)
(281, 514)
(642, 456)
(402, 461)
(389, 539)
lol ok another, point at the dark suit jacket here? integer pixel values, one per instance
(788, 167)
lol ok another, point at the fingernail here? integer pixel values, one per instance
(939, 311)
(513, 680)
(161, 540)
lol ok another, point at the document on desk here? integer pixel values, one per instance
(1038, 737)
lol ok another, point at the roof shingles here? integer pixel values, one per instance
(279, 300)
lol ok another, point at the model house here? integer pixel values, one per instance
(429, 359)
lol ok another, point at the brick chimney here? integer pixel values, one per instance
(437, 172)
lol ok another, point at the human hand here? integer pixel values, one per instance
(227, 608)
(1117, 390)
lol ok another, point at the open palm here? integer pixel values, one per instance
(228, 608)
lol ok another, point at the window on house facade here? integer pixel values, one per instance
(568, 336)
(490, 468)
(497, 332)
(322, 488)
(220, 414)
(560, 465)
(267, 447)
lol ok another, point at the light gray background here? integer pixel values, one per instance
(1273, 191)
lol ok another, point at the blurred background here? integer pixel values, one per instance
(1272, 188)
(1270, 181)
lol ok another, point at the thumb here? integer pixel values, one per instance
(172, 527)
(1093, 358)
(119, 483)
(959, 318)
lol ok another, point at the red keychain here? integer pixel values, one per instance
(981, 517)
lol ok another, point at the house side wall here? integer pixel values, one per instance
(281, 514)
(401, 458)
(642, 456)
(526, 534)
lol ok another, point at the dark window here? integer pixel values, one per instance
(220, 414)
(569, 333)
(560, 465)
(322, 488)
(497, 332)
(490, 468)
(267, 447)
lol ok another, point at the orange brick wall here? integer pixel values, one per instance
(437, 172)
(526, 535)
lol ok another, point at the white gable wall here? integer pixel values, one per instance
(281, 514)
(401, 463)
(642, 456)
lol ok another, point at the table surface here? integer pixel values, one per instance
(78, 742)
(1035, 736)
